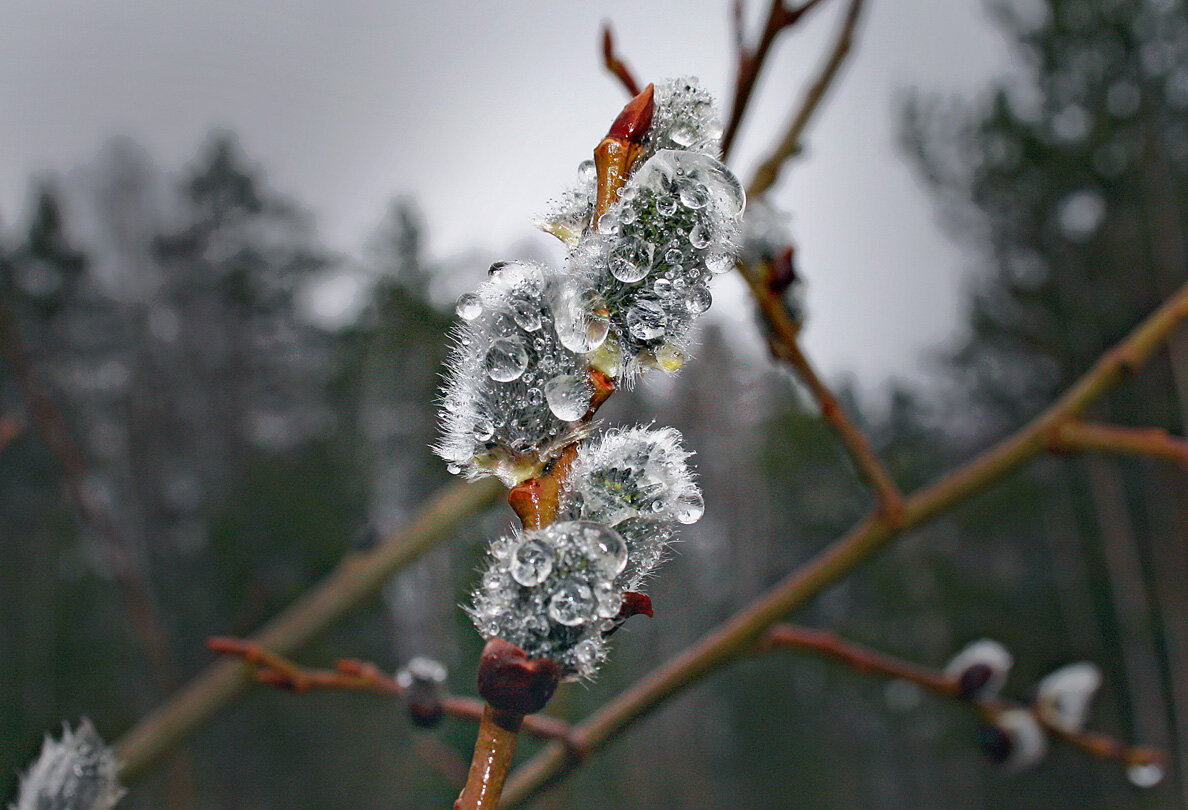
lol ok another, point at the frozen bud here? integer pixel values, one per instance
(77, 772)
(1063, 697)
(554, 592)
(638, 481)
(1014, 740)
(514, 385)
(422, 679)
(980, 669)
(685, 117)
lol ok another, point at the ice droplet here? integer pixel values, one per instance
(532, 563)
(630, 262)
(469, 306)
(689, 507)
(603, 547)
(506, 359)
(1145, 774)
(699, 299)
(698, 237)
(571, 604)
(646, 320)
(568, 396)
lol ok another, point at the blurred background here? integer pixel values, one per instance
(231, 236)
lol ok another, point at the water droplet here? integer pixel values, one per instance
(506, 359)
(586, 653)
(646, 320)
(631, 261)
(532, 562)
(694, 196)
(699, 299)
(674, 255)
(608, 223)
(627, 215)
(571, 604)
(698, 237)
(469, 306)
(719, 263)
(603, 547)
(568, 396)
(1145, 774)
(535, 396)
(453, 468)
(526, 311)
(483, 429)
(666, 206)
(689, 507)
(683, 135)
(579, 327)
(495, 267)
(587, 172)
(663, 287)
(609, 600)
(670, 358)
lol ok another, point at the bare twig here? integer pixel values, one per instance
(869, 662)
(356, 577)
(1077, 436)
(738, 635)
(616, 65)
(769, 170)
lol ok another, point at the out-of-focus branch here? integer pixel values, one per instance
(769, 170)
(356, 577)
(134, 589)
(739, 634)
(1077, 436)
(616, 65)
(751, 60)
(11, 427)
(869, 662)
(361, 676)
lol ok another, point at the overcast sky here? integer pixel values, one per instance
(482, 111)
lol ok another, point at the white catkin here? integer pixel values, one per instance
(76, 772)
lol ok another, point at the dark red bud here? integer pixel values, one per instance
(632, 124)
(512, 682)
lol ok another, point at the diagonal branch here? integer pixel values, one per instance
(616, 65)
(1077, 436)
(737, 636)
(356, 577)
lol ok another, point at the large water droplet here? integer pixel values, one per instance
(699, 299)
(587, 172)
(571, 604)
(1145, 774)
(483, 429)
(699, 237)
(689, 507)
(666, 206)
(608, 224)
(603, 547)
(631, 261)
(609, 600)
(526, 311)
(646, 320)
(674, 255)
(580, 327)
(683, 135)
(663, 287)
(532, 562)
(694, 196)
(469, 306)
(719, 262)
(506, 359)
(670, 358)
(568, 396)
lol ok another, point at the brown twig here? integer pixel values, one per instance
(739, 634)
(1077, 436)
(751, 60)
(356, 577)
(616, 65)
(869, 662)
(769, 170)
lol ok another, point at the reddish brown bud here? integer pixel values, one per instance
(634, 604)
(614, 157)
(632, 124)
(512, 682)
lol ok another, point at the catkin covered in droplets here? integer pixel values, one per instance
(77, 772)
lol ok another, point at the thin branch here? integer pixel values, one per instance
(751, 61)
(869, 662)
(769, 170)
(738, 635)
(616, 65)
(11, 427)
(1077, 436)
(356, 577)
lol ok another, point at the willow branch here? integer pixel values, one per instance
(751, 60)
(870, 662)
(1077, 436)
(359, 575)
(738, 635)
(612, 62)
(769, 170)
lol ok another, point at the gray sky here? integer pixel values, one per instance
(482, 111)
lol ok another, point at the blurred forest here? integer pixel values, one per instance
(185, 448)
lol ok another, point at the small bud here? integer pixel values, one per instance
(1063, 697)
(1014, 740)
(422, 679)
(77, 772)
(980, 669)
(512, 682)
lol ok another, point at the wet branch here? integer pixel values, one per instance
(1077, 436)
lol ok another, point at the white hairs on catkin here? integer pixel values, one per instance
(77, 772)
(520, 381)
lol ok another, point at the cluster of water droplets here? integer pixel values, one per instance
(638, 482)
(77, 772)
(553, 592)
(685, 118)
(516, 379)
(673, 228)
